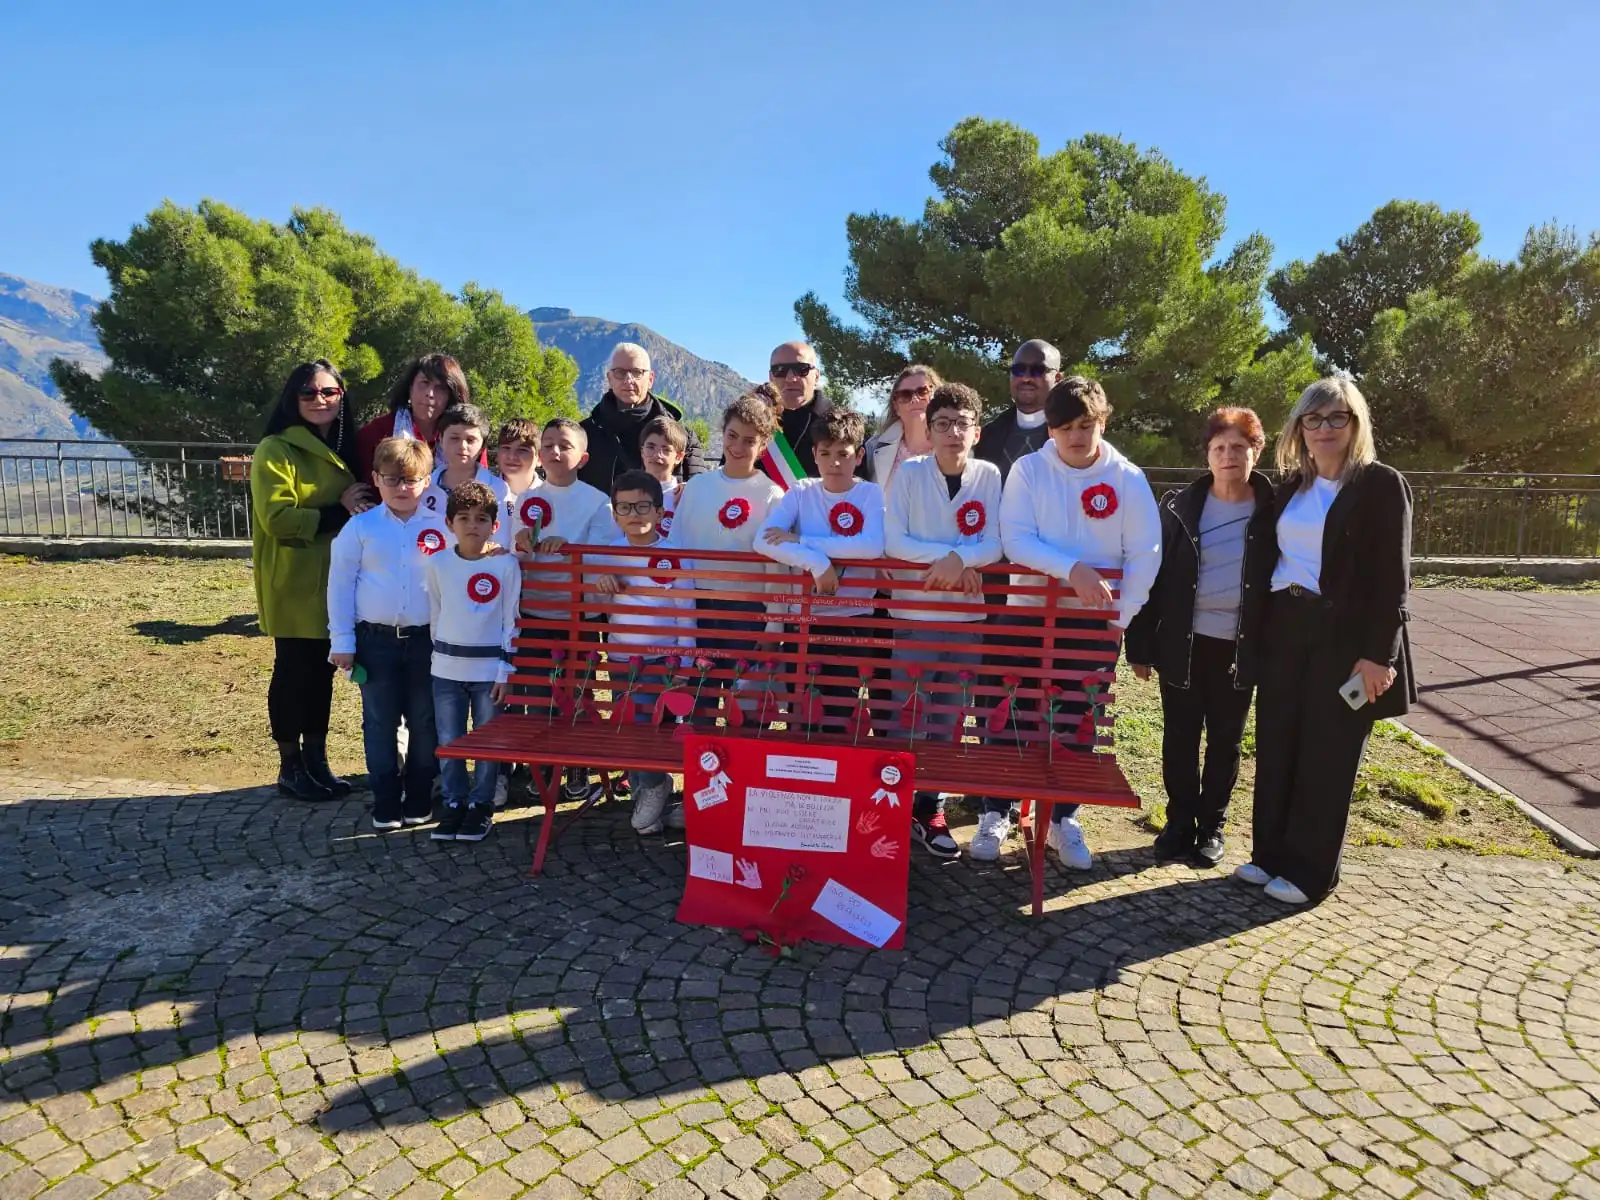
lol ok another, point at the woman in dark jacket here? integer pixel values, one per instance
(1201, 627)
(1335, 655)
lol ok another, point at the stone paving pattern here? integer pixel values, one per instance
(222, 994)
(1510, 685)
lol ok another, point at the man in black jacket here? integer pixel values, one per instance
(1035, 369)
(613, 427)
(795, 373)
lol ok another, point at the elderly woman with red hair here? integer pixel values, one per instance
(1201, 629)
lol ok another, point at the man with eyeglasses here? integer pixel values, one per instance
(1035, 369)
(795, 375)
(615, 425)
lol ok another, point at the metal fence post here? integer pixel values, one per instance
(61, 484)
(1522, 517)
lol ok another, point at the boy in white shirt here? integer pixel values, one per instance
(473, 597)
(662, 444)
(516, 461)
(819, 520)
(663, 629)
(462, 431)
(556, 510)
(721, 510)
(944, 510)
(1071, 506)
(378, 620)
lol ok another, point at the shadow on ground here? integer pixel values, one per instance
(176, 633)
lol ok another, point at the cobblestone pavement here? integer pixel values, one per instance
(221, 993)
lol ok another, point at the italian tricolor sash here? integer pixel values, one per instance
(779, 462)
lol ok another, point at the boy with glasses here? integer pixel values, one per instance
(378, 621)
(944, 510)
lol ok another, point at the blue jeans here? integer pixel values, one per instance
(453, 702)
(398, 685)
(942, 656)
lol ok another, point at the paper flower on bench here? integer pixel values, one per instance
(1093, 687)
(731, 712)
(559, 700)
(911, 706)
(673, 699)
(810, 701)
(861, 716)
(703, 666)
(965, 679)
(625, 711)
(1000, 716)
(591, 659)
(767, 707)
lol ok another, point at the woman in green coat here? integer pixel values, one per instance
(301, 494)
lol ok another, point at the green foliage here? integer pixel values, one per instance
(1107, 251)
(700, 427)
(1405, 247)
(1501, 368)
(210, 309)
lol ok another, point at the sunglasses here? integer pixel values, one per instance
(327, 393)
(1029, 370)
(784, 370)
(921, 393)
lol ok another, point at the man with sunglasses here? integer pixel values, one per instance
(795, 375)
(617, 422)
(1035, 369)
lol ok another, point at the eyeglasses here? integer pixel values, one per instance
(327, 393)
(784, 370)
(1334, 420)
(1029, 370)
(409, 481)
(952, 425)
(635, 508)
(630, 372)
(921, 393)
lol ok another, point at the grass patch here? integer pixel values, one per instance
(151, 668)
(1502, 583)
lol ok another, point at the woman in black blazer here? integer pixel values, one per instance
(1337, 614)
(1200, 629)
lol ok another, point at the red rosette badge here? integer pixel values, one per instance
(971, 518)
(664, 526)
(536, 513)
(1100, 501)
(482, 588)
(665, 563)
(430, 541)
(734, 513)
(845, 519)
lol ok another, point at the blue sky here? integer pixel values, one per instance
(690, 166)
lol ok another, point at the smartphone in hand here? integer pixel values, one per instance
(1354, 691)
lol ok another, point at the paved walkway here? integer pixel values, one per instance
(222, 993)
(1511, 685)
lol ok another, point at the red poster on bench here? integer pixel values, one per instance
(796, 840)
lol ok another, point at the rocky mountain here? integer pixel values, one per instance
(702, 388)
(39, 323)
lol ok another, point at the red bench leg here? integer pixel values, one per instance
(550, 793)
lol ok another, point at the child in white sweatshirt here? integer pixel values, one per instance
(819, 520)
(1072, 506)
(944, 510)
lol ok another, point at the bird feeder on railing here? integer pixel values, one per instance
(235, 468)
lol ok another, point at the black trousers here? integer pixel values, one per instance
(1308, 747)
(1197, 801)
(300, 695)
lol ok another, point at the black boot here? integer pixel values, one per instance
(316, 760)
(292, 777)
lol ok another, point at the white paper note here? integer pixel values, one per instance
(796, 820)
(715, 865)
(855, 914)
(709, 797)
(811, 770)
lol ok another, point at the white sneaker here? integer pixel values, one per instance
(1251, 874)
(502, 788)
(649, 809)
(675, 818)
(1284, 892)
(993, 830)
(1066, 839)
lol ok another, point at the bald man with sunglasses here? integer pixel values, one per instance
(795, 374)
(1035, 369)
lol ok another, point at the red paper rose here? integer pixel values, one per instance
(734, 513)
(536, 512)
(845, 519)
(430, 541)
(970, 517)
(1100, 501)
(482, 588)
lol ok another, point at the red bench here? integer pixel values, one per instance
(574, 725)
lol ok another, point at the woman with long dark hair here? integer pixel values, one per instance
(1335, 656)
(428, 385)
(301, 494)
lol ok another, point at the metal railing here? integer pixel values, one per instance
(193, 490)
(202, 490)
